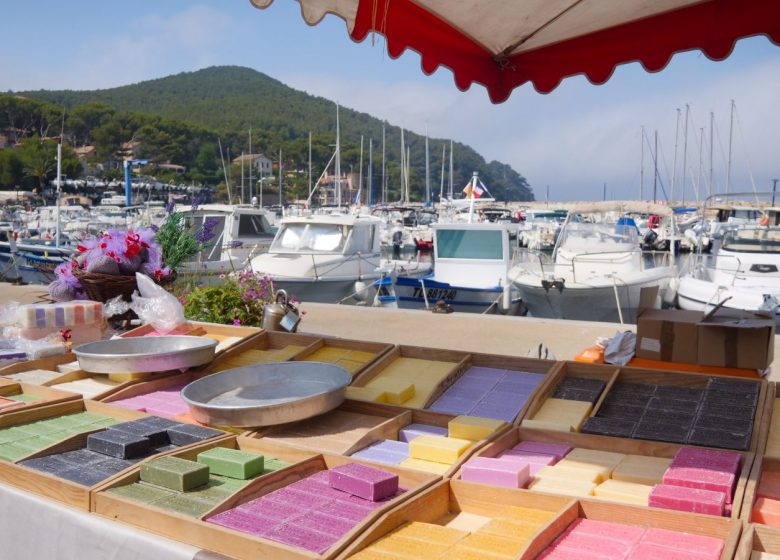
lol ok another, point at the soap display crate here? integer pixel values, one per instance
(81, 374)
(244, 546)
(457, 365)
(49, 363)
(626, 446)
(770, 423)
(264, 341)
(562, 370)
(378, 350)
(199, 328)
(403, 418)
(728, 530)
(43, 484)
(761, 464)
(46, 396)
(758, 538)
(518, 364)
(448, 498)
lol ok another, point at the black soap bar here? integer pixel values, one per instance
(733, 386)
(723, 423)
(623, 411)
(587, 383)
(724, 439)
(614, 427)
(81, 457)
(670, 416)
(49, 464)
(628, 399)
(156, 435)
(84, 476)
(574, 394)
(736, 412)
(731, 399)
(115, 443)
(658, 403)
(163, 448)
(157, 422)
(679, 393)
(661, 432)
(185, 434)
(113, 465)
(623, 387)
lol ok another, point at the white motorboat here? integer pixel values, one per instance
(323, 257)
(744, 274)
(472, 261)
(596, 273)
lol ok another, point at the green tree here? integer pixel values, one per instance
(11, 168)
(39, 160)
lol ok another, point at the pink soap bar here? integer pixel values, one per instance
(496, 472)
(647, 551)
(559, 450)
(712, 459)
(578, 541)
(570, 554)
(533, 468)
(697, 477)
(301, 537)
(245, 521)
(693, 500)
(529, 457)
(364, 482)
(709, 547)
(617, 531)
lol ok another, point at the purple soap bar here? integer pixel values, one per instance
(363, 481)
(381, 453)
(468, 393)
(559, 450)
(345, 510)
(263, 507)
(328, 524)
(504, 399)
(298, 498)
(498, 412)
(301, 537)
(412, 431)
(486, 373)
(245, 521)
(475, 383)
(495, 472)
(452, 405)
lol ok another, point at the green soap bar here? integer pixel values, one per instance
(230, 484)
(174, 473)
(213, 493)
(36, 429)
(17, 450)
(185, 504)
(23, 397)
(103, 423)
(232, 462)
(9, 435)
(272, 465)
(69, 420)
(141, 492)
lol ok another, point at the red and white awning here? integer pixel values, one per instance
(502, 44)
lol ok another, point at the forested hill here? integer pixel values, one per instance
(230, 100)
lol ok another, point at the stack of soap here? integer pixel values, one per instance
(425, 375)
(489, 393)
(386, 451)
(411, 431)
(514, 467)
(175, 474)
(473, 428)
(663, 543)
(586, 389)
(240, 468)
(350, 360)
(363, 481)
(766, 509)
(84, 320)
(309, 514)
(392, 390)
(34, 376)
(163, 402)
(699, 481)
(560, 415)
(725, 418)
(89, 387)
(578, 473)
(442, 451)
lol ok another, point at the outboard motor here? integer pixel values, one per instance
(648, 241)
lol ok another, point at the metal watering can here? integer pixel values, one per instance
(282, 315)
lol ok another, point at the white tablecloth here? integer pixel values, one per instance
(34, 527)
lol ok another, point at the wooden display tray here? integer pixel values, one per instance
(389, 430)
(81, 374)
(266, 340)
(626, 446)
(758, 538)
(236, 544)
(199, 328)
(377, 348)
(459, 361)
(49, 486)
(49, 364)
(762, 463)
(48, 396)
(766, 421)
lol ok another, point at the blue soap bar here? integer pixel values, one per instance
(115, 443)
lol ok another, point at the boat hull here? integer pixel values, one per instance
(320, 291)
(412, 293)
(703, 295)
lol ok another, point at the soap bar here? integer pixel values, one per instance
(387, 451)
(430, 532)
(174, 473)
(397, 391)
(492, 545)
(769, 485)
(370, 394)
(39, 315)
(614, 427)
(606, 459)
(156, 434)
(574, 471)
(118, 444)
(425, 466)
(626, 492)
(473, 428)
(34, 376)
(766, 511)
(363, 481)
(185, 434)
(713, 437)
(648, 551)
(548, 425)
(408, 433)
(714, 459)
(641, 470)
(704, 478)
(708, 547)
(564, 486)
(559, 450)
(486, 470)
(438, 449)
(692, 500)
(232, 462)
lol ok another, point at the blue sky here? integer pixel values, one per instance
(575, 139)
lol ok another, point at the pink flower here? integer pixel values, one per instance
(236, 322)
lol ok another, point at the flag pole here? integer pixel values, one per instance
(474, 180)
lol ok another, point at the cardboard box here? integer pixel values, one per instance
(736, 340)
(670, 335)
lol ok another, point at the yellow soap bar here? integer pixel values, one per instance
(469, 522)
(529, 516)
(561, 411)
(473, 428)
(459, 552)
(430, 532)
(509, 528)
(490, 543)
(545, 425)
(641, 470)
(605, 458)
(123, 377)
(370, 554)
(425, 466)
(408, 548)
(398, 391)
(563, 487)
(366, 394)
(438, 449)
(625, 492)
(585, 473)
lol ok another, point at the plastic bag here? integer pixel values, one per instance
(8, 313)
(115, 306)
(156, 306)
(620, 349)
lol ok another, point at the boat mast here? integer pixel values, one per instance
(251, 165)
(443, 160)
(403, 168)
(674, 165)
(474, 179)
(384, 181)
(59, 190)
(360, 172)
(712, 144)
(281, 204)
(685, 151)
(451, 168)
(338, 159)
(731, 136)
(370, 171)
(655, 176)
(242, 177)
(310, 164)
(701, 164)
(427, 173)
(408, 167)
(642, 166)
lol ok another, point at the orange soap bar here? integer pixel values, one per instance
(769, 486)
(767, 511)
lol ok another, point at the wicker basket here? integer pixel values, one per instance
(103, 287)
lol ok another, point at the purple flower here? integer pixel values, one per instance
(155, 228)
(170, 207)
(235, 244)
(236, 322)
(206, 233)
(195, 203)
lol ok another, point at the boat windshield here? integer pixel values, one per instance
(751, 240)
(586, 237)
(321, 238)
(475, 244)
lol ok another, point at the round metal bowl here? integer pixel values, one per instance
(267, 394)
(147, 354)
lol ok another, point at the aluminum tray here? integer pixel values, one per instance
(267, 394)
(147, 354)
